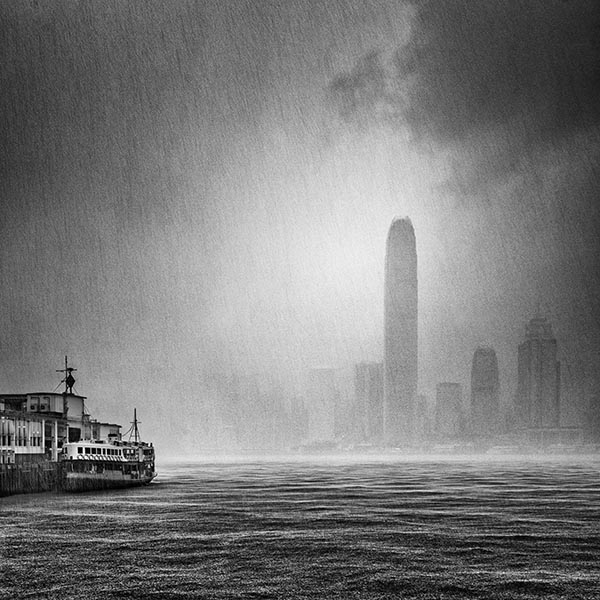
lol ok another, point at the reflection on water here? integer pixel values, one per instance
(409, 529)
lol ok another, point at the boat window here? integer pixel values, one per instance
(79, 450)
(88, 450)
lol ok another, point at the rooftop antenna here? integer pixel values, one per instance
(69, 380)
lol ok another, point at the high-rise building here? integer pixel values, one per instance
(400, 334)
(322, 398)
(485, 389)
(368, 397)
(448, 411)
(538, 392)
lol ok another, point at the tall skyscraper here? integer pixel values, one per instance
(538, 392)
(400, 334)
(368, 393)
(485, 389)
(448, 411)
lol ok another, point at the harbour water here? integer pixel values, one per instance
(394, 528)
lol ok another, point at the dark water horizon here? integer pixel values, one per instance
(315, 528)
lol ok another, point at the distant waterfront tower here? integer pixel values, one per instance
(485, 388)
(538, 392)
(400, 334)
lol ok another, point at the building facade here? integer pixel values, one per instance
(485, 393)
(538, 390)
(400, 334)
(34, 427)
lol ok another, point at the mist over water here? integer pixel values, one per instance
(333, 528)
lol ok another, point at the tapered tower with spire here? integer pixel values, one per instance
(400, 334)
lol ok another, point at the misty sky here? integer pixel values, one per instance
(199, 187)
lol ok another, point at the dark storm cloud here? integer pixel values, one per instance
(477, 65)
(526, 73)
(367, 95)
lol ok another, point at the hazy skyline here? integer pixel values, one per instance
(195, 187)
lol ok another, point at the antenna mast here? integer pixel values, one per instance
(69, 380)
(136, 431)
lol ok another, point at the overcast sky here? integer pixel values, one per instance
(200, 187)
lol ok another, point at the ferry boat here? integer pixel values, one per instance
(99, 464)
(48, 441)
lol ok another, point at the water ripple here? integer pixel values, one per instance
(307, 530)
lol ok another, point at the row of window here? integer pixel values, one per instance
(95, 450)
(88, 467)
(7, 440)
(35, 404)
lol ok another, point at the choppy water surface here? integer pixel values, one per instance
(395, 529)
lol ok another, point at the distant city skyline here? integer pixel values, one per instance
(194, 188)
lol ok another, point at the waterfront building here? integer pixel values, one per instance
(538, 391)
(34, 427)
(368, 398)
(400, 334)
(485, 390)
(448, 411)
